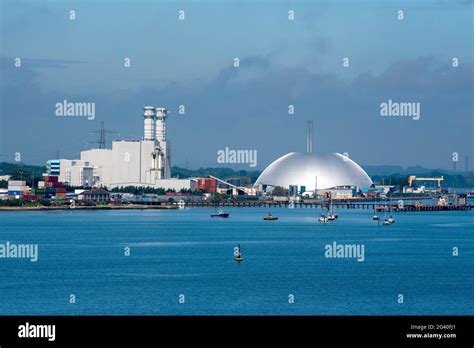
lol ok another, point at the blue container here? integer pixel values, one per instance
(15, 193)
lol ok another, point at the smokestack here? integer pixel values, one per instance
(149, 123)
(309, 137)
(161, 115)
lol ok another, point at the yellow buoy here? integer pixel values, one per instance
(238, 255)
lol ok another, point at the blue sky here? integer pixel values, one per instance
(283, 62)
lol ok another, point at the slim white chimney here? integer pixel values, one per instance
(161, 115)
(149, 123)
(309, 137)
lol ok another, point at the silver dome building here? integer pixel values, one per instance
(308, 169)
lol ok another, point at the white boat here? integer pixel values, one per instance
(331, 216)
(375, 217)
(323, 218)
(390, 220)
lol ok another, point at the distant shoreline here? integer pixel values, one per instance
(99, 207)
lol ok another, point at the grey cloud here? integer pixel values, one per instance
(252, 113)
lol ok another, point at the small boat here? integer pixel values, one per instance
(270, 217)
(331, 215)
(238, 255)
(220, 214)
(323, 218)
(390, 220)
(375, 217)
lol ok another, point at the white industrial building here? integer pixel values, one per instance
(143, 162)
(72, 172)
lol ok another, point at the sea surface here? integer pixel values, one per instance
(182, 263)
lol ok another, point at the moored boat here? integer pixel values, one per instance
(220, 214)
(270, 217)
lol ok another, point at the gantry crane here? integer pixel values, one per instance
(412, 178)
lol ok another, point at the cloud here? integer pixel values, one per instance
(249, 67)
(247, 108)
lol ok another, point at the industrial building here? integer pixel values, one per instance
(95, 194)
(72, 172)
(54, 167)
(310, 172)
(145, 162)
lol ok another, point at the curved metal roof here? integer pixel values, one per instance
(331, 170)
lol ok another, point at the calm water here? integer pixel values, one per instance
(187, 252)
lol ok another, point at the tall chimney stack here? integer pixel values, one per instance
(149, 123)
(161, 115)
(309, 137)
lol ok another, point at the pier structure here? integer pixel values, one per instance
(345, 205)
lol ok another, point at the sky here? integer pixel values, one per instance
(283, 62)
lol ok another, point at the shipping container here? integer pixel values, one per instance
(31, 197)
(50, 178)
(16, 183)
(15, 193)
(16, 188)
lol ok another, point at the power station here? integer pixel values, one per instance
(145, 162)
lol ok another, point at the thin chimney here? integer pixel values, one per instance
(309, 137)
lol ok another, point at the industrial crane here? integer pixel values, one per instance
(412, 178)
